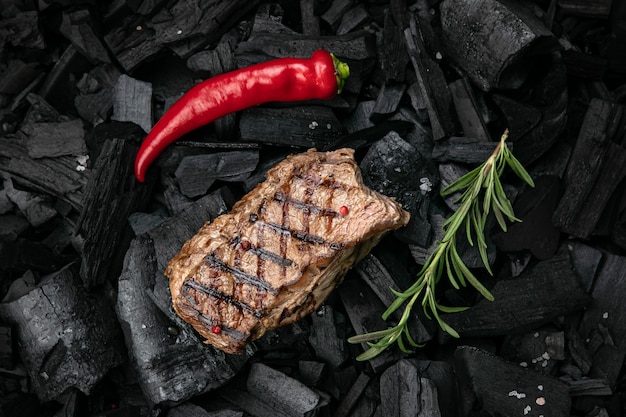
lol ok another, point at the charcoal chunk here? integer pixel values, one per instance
(56, 358)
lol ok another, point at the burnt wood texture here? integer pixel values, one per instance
(87, 324)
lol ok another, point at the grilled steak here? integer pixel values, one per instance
(281, 250)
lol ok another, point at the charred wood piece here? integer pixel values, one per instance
(56, 358)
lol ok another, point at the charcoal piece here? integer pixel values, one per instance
(444, 379)
(350, 399)
(550, 96)
(521, 117)
(17, 75)
(538, 295)
(360, 118)
(405, 393)
(174, 200)
(468, 111)
(54, 139)
(365, 137)
(463, 149)
(607, 311)
(432, 84)
(188, 409)
(12, 226)
(257, 407)
(539, 350)
(56, 358)
(393, 55)
(335, 12)
(489, 40)
(41, 111)
(379, 279)
(144, 222)
(112, 193)
(593, 173)
(36, 208)
(170, 361)
(578, 351)
(599, 9)
(588, 387)
(301, 126)
(196, 172)
(392, 166)
(329, 346)
(181, 26)
(280, 391)
(535, 232)
(132, 102)
(59, 86)
(310, 22)
(585, 66)
(7, 356)
(311, 373)
(22, 31)
(353, 18)
(269, 19)
(79, 27)
(364, 310)
(419, 230)
(95, 108)
(387, 100)
(502, 388)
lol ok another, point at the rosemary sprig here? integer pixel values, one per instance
(471, 216)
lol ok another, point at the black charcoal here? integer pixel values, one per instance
(196, 173)
(392, 166)
(132, 102)
(350, 399)
(353, 19)
(68, 337)
(488, 38)
(12, 226)
(433, 88)
(404, 393)
(502, 388)
(607, 312)
(7, 354)
(297, 126)
(468, 110)
(79, 27)
(54, 139)
(36, 208)
(281, 392)
(111, 195)
(538, 295)
(388, 100)
(328, 344)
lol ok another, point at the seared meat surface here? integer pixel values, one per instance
(281, 250)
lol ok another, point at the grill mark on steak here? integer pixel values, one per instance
(234, 333)
(262, 253)
(302, 236)
(260, 263)
(306, 207)
(218, 295)
(238, 274)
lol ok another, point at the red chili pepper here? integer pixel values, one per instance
(285, 79)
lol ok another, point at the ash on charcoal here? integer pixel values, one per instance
(498, 387)
(68, 337)
(392, 166)
(296, 126)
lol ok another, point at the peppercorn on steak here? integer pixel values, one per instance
(281, 250)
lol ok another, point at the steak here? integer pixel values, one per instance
(281, 250)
